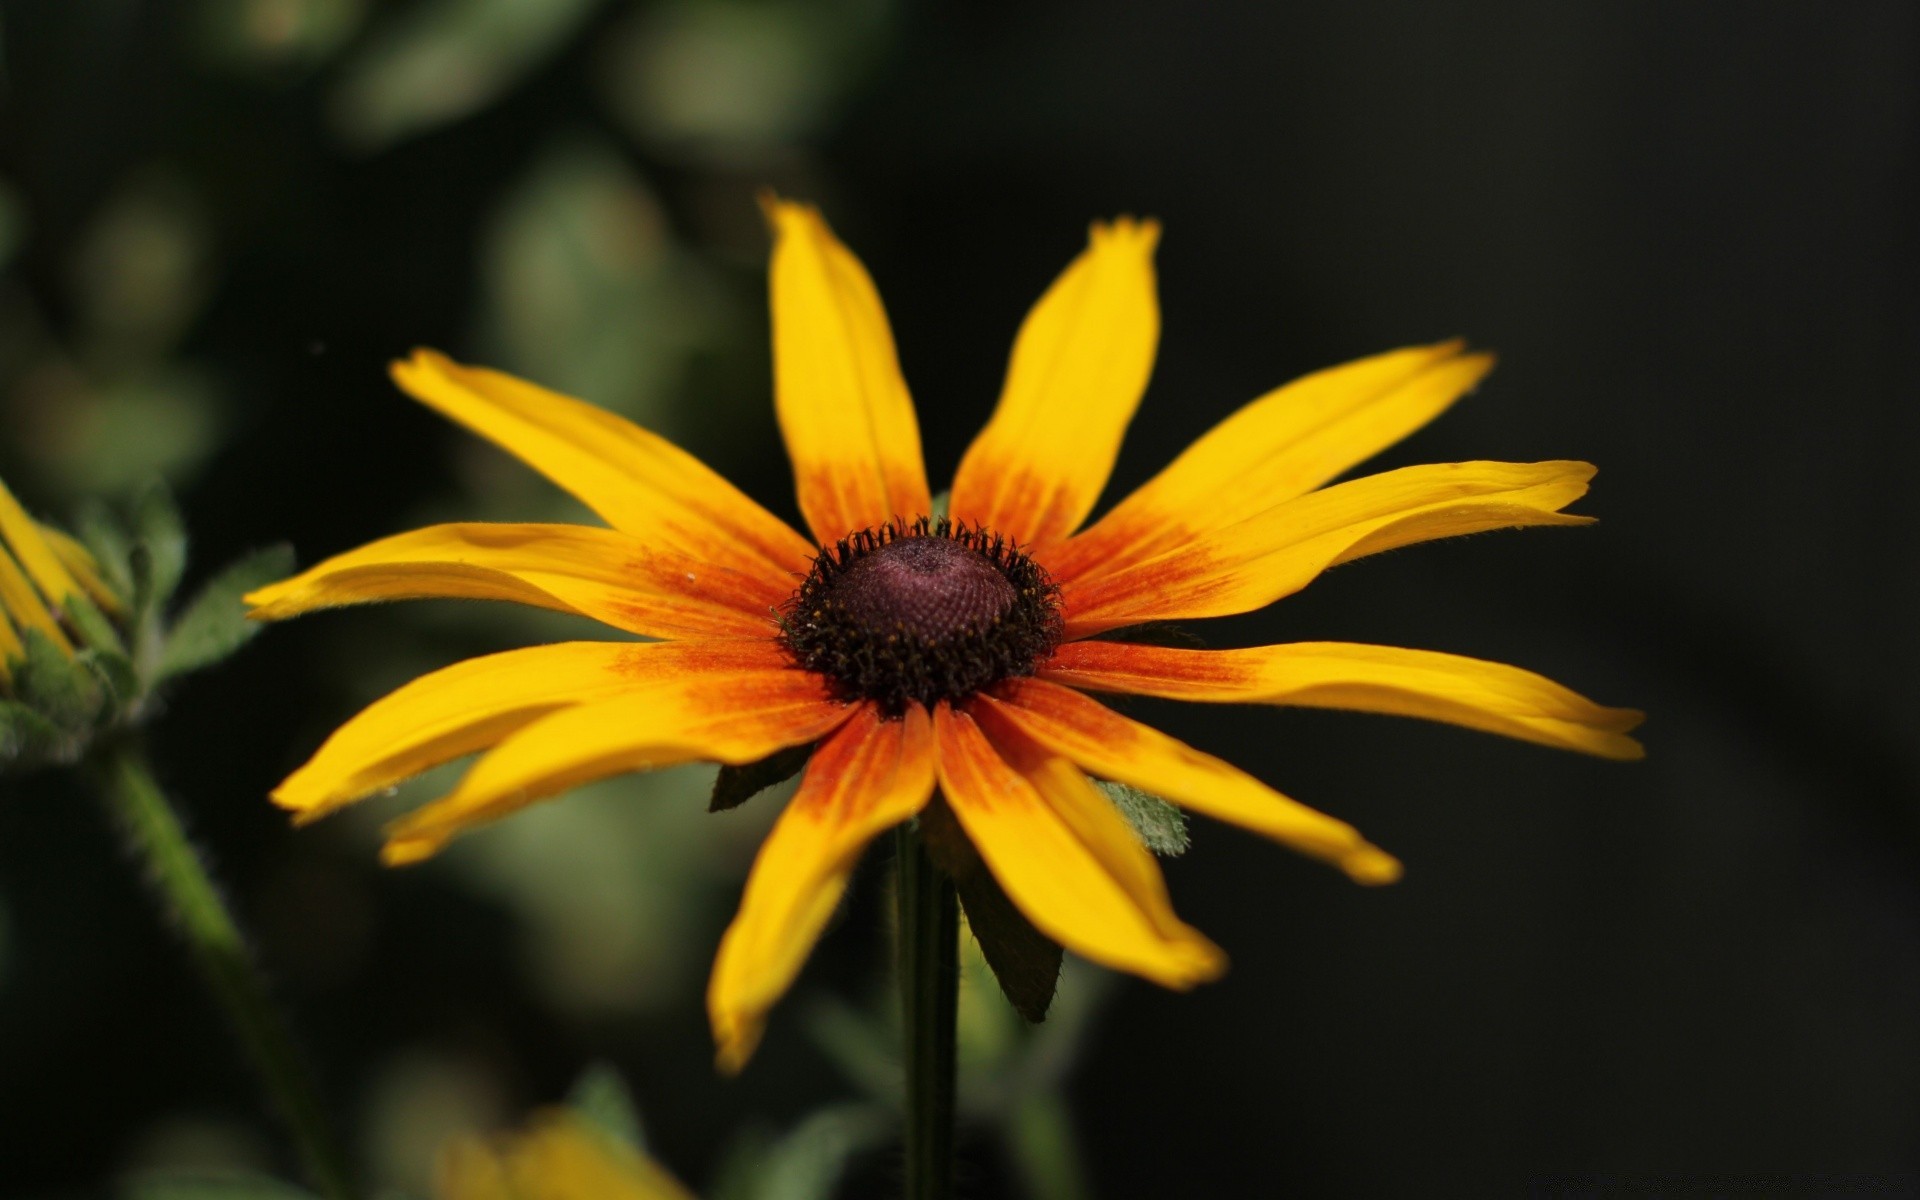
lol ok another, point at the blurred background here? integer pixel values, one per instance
(1689, 232)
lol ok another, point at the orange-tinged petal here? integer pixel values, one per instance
(1384, 679)
(24, 604)
(1109, 745)
(724, 710)
(1281, 446)
(1257, 561)
(638, 481)
(475, 704)
(1057, 858)
(871, 775)
(600, 573)
(1079, 367)
(843, 407)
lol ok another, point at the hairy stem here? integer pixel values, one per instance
(180, 880)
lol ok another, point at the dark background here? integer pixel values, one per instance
(1688, 230)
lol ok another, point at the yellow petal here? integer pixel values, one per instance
(24, 604)
(726, 712)
(1078, 370)
(11, 647)
(1279, 447)
(843, 407)
(1382, 679)
(79, 560)
(1280, 551)
(868, 777)
(1058, 860)
(599, 573)
(30, 546)
(638, 481)
(1109, 745)
(472, 705)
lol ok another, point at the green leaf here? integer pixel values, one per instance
(208, 1185)
(215, 623)
(734, 786)
(106, 539)
(159, 555)
(809, 1161)
(57, 686)
(602, 1097)
(1161, 826)
(95, 630)
(25, 735)
(1024, 960)
(115, 673)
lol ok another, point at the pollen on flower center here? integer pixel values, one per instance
(921, 612)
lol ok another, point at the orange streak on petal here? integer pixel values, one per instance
(868, 776)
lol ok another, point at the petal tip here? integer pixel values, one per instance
(406, 850)
(1372, 867)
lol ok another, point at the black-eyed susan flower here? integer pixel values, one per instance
(914, 653)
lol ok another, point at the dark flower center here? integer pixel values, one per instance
(921, 612)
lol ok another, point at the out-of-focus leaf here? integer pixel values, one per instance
(735, 81)
(275, 35)
(586, 290)
(863, 1047)
(142, 272)
(208, 1185)
(437, 61)
(160, 549)
(108, 435)
(25, 735)
(214, 624)
(808, 1162)
(106, 539)
(602, 1097)
(734, 786)
(1045, 1153)
(1161, 826)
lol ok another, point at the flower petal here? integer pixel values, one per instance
(1109, 745)
(561, 1156)
(24, 604)
(1063, 862)
(844, 408)
(719, 704)
(638, 481)
(1079, 368)
(1383, 679)
(475, 704)
(868, 777)
(79, 560)
(30, 546)
(1281, 446)
(1257, 561)
(599, 573)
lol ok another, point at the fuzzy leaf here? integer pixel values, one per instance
(160, 548)
(106, 539)
(215, 624)
(95, 630)
(602, 1097)
(57, 686)
(25, 735)
(1161, 826)
(734, 786)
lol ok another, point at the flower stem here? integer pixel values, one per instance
(179, 877)
(929, 1002)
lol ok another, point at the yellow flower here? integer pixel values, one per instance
(560, 1157)
(915, 653)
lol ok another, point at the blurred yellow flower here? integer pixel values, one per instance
(559, 1156)
(908, 650)
(43, 572)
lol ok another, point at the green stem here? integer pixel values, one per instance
(180, 879)
(929, 1002)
